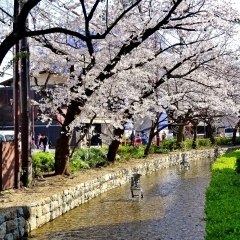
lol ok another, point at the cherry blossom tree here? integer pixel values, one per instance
(208, 100)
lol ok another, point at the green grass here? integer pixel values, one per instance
(223, 200)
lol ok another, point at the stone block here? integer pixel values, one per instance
(65, 192)
(9, 236)
(48, 217)
(22, 232)
(7, 216)
(3, 230)
(72, 204)
(52, 215)
(32, 224)
(16, 234)
(39, 211)
(13, 214)
(60, 211)
(72, 193)
(2, 219)
(21, 222)
(46, 208)
(34, 204)
(46, 200)
(54, 205)
(27, 211)
(54, 197)
(60, 199)
(68, 199)
(11, 225)
(20, 212)
(40, 221)
(31, 211)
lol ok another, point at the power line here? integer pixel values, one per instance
(3, 18)
(59, 8)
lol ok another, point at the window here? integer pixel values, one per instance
(229, 130)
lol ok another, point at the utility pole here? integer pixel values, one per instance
(16, 104)
(25, 113)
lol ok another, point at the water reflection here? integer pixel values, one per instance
(172, 208)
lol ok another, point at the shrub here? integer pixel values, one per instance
(203, 143)
(77, 164)
(151, 149)
(170, 144)
(160, 149)
(88, 157)
(127, 152)
(42, 162)
(224, 140)
(187, 144)
(238, 165)
(237, 140)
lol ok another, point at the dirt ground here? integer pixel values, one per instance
(50, 185)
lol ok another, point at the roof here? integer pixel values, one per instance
(41, 78)
(7, 83)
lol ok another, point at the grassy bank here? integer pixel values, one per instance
(223, 199)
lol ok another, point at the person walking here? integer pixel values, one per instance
(164, 136)
(44, 142)
(38, 140)
(144, 138)
(132, 137)
(138, 140)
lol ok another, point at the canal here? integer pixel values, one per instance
(172, 208)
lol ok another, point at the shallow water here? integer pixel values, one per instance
(172, 208)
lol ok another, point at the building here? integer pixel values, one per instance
(52, 131)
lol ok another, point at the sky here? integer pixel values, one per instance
(9, 56)
(237, 3)
(4, 5)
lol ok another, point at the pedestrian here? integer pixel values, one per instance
(38, 139)
(144, 138)
(164, 136)
(138, 140)
(33, 145)
(132, 137)
(44, 142)
(50, 143)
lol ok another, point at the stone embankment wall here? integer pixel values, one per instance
(17, 223)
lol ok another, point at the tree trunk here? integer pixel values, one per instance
(132, 137)
(113, 147)
(62, 152)
(210, 133)
(150, 138)
(234, 137)
(194, 144)
(180, 135)
(158, 139)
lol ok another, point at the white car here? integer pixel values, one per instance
(228, 132)
(6, 136)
